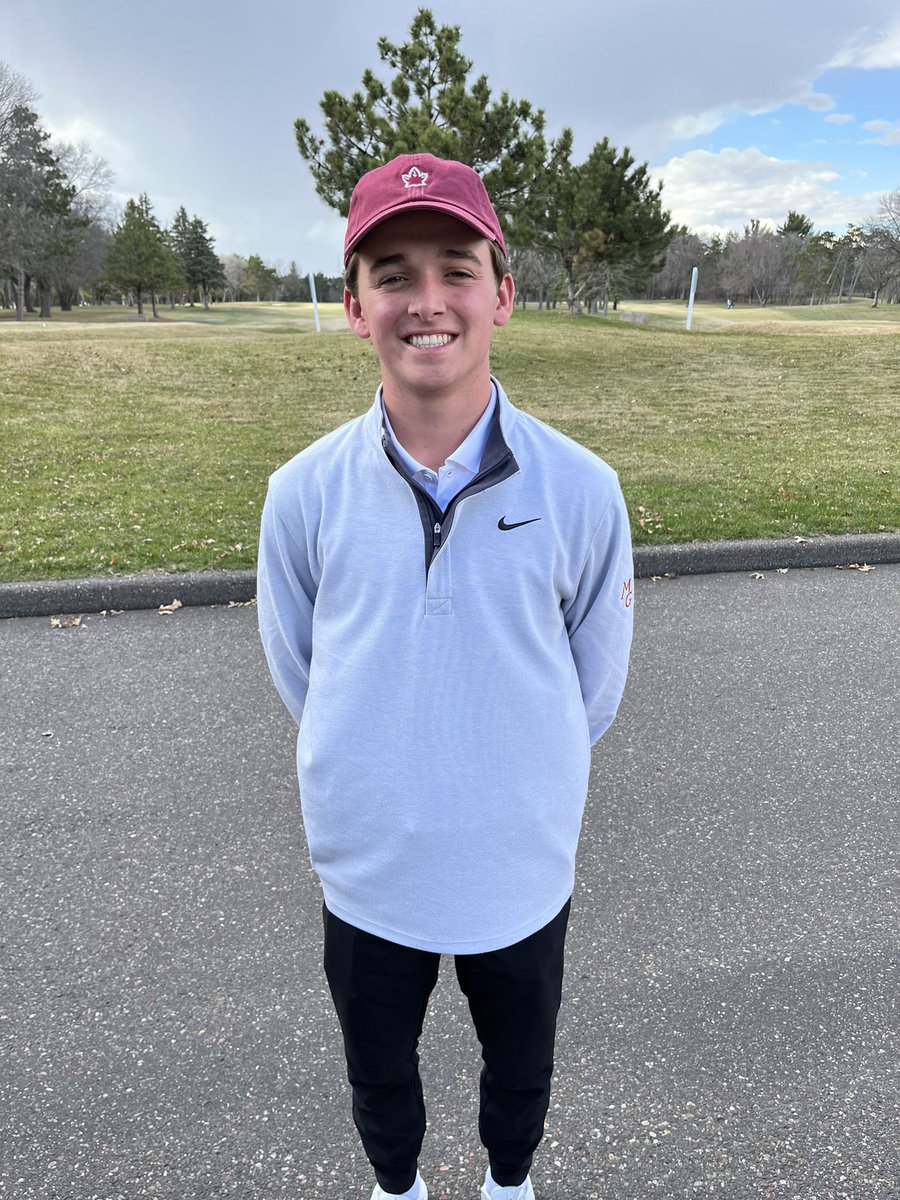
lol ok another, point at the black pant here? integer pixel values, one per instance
(381, 991)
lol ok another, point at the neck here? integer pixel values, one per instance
(429, 428)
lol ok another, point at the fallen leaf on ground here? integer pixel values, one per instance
(64, 622)
(242, 603)
(860, 567)
(757, 575)
(782, 570)
(166, 610)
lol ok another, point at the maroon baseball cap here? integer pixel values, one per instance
(415, 181)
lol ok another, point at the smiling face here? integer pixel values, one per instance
(428, 298)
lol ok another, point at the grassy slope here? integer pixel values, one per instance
(131, 445)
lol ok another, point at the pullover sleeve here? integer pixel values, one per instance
(285, 597)
(599, 617)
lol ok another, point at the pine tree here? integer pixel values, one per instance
(601, 219)
(427, 106)
(292, 286)
(795, 222)
(197, 260)
(139, 258)
(259, 278)
(35, 199)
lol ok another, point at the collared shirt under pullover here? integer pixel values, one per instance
(487, 644)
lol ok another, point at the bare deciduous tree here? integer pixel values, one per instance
(15, 92)
(882, 258)
(760, 264)
(235, 268)
(536, 274)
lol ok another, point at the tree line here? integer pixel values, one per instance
(60, 242)
(789, 264)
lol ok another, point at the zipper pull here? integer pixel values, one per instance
(436, 536)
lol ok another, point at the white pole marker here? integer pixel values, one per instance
(315, 302)
(690, 315)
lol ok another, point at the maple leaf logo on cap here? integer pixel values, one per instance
(415, 178)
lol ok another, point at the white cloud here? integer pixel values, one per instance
(839, 119)
(814, 101)
(86, 129)
(888, 133)
(871, 49)
(713, 193)
(697, 124)
(687, 126)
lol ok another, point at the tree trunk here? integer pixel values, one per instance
(67, 297)
(44, 293)
(140, 302)
(29, 303)
(574, 304)
(20, 294)
(153, 303)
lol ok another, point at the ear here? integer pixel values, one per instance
(354, 313)
(506, 295)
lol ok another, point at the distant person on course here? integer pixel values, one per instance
(445, 600)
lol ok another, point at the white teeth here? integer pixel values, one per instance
(432, 339)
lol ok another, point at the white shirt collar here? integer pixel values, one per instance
(467, 455)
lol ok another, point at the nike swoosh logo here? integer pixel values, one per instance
(501, 524)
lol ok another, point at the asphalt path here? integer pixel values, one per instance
(730, 1020)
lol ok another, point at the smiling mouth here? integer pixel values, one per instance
(430, 341)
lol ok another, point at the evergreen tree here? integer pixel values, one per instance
(139, 258)
(427, 106)
(796, 223)
(197, 260)
(35, 199)
(260, 279)
(602, 220)
(178, 238)
(293, 286)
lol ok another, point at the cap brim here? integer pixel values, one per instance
(416, 206)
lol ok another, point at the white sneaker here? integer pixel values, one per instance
(493, 1191)
(418, 1191)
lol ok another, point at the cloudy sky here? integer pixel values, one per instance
(742, 110)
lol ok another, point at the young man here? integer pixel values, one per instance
(445, 602)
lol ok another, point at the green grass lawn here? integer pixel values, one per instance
(849, 317)
(130, 446)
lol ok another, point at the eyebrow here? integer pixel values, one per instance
(390, 260)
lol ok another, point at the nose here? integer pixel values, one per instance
(426, 299)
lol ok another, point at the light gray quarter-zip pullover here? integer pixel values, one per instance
(448, 672)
